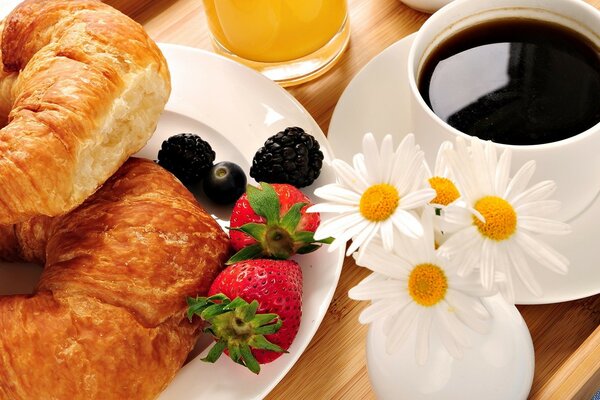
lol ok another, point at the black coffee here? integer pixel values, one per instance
(515, 81)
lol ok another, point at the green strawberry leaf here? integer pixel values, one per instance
(262, 319)
(304, 237)
(264, 202)
(260, 342)
(249, 359)
(212, 311)
(327, 240)
(248, 311)
(215, 352)
(235, 354)
(269, 329)
(309, 237)
(237, 302)
(197, 305)
(257, 231)
(290, 220)
(309, 248)
(247, 253)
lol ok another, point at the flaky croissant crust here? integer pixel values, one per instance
(82, 89)
(107, 320)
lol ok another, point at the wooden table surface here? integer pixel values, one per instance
(333, 366)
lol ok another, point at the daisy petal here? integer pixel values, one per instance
(417, 199)
(466, 304)
(371, 153)
(338, 194)
(520, 181)
(539, 208)
(471, 321)
(459, 241)
(429, 174)
(379, 309)
(407, 223)
(542, 253)
(544, 226)
(423, 328)
(386, 158)
(389, 322)
(441, 165)
(406, 176)
(375, 290)
(456, 214)
(337, 225)
(387, 235)
(467, 261)
(358, 161)
(471, 286)
(446, 336)
(401, 328)
(502, 266)
(363, 238)
(502, 172)
(539, 191)
(348, 176)
(482, 172)
(464, 179)
(348, 234)
(332, 208)
(488, 258)
(404, 153)
(377, 261)
(456, 328)
(521, 266)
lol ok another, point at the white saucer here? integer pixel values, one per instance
(497, 366)
(377, 101)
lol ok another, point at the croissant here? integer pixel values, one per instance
(107, 319)
(82, 89)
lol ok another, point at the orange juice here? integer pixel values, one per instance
(273, 31)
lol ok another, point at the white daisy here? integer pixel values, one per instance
(499, 218)
(414, 288)
(377, 195)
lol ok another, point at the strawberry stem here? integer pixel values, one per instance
(278, 237)
(236, 327)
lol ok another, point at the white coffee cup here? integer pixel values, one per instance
(573, 163)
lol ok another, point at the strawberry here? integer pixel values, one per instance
(262, 320)
(272, 222)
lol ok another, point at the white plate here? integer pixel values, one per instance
(377, 101)
(235, 109)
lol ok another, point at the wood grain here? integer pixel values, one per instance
(576, 378)
(333, 366)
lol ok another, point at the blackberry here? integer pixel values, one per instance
(186, 156)
(291, 156)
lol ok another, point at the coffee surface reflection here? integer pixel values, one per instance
(515, 81)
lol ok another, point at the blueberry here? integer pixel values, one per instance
(225, 182)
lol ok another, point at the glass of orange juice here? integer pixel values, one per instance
(289, 41)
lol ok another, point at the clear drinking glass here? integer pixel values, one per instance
(289, 41)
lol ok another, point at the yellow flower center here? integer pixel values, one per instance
(500, 218)
(379, 202)
(445, 190)
(427, 284)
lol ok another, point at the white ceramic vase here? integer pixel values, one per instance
(498, 365)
